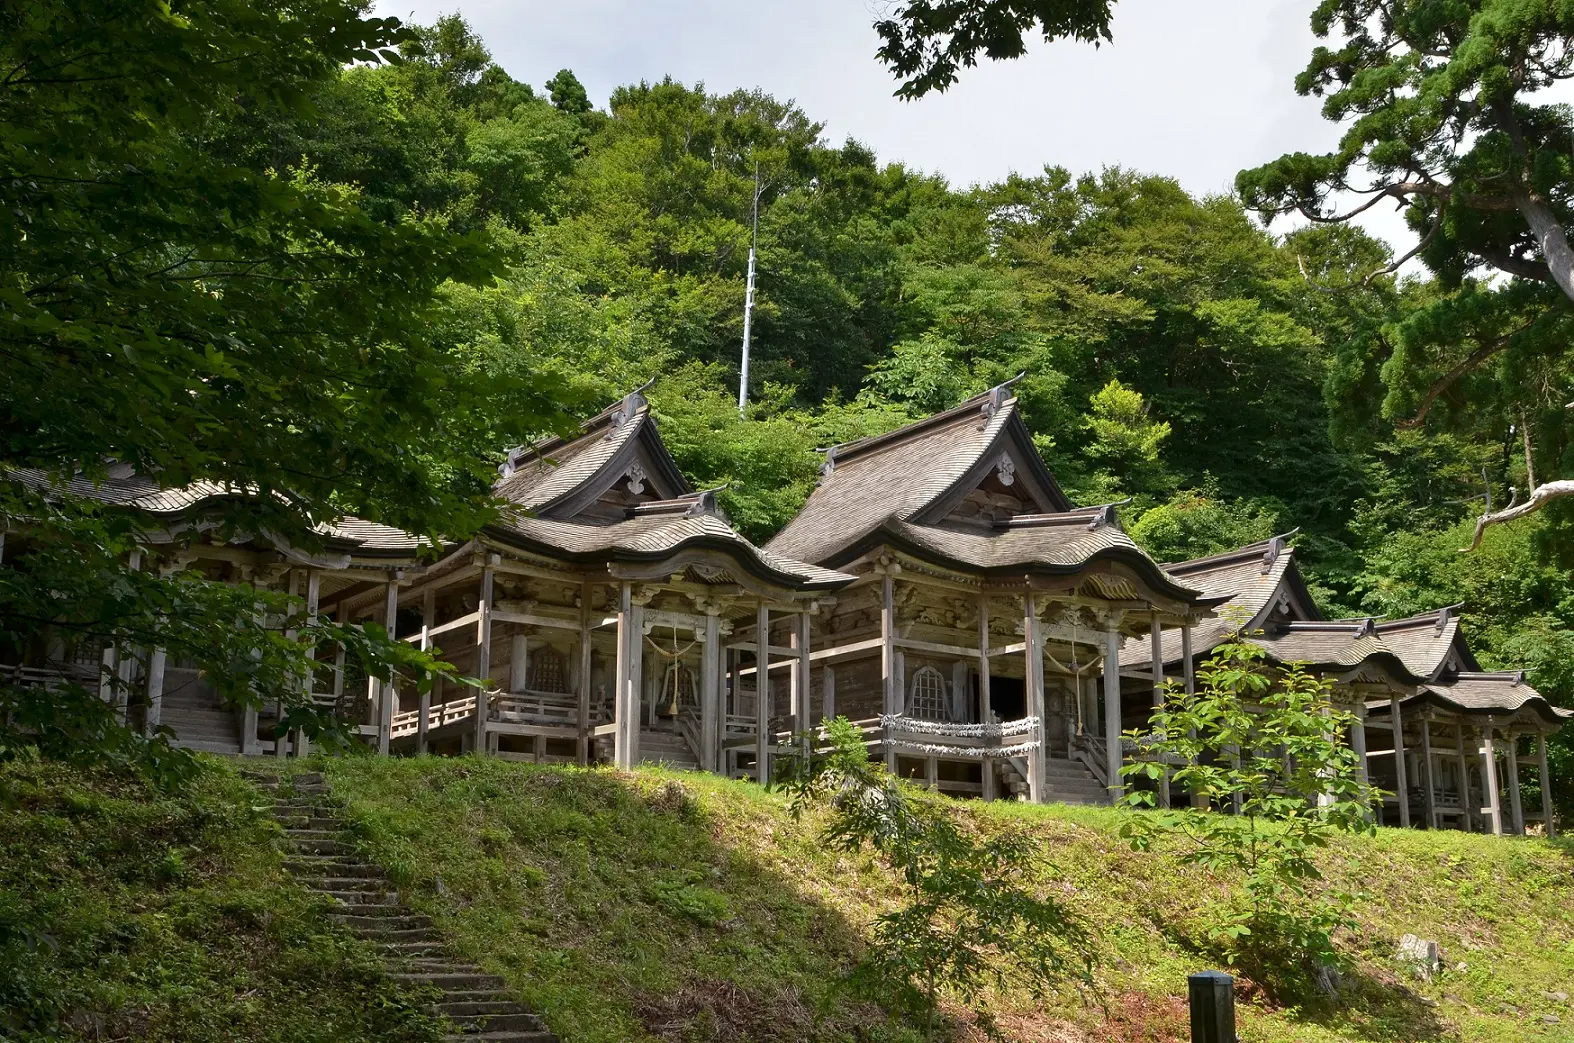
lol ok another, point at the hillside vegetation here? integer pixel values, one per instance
(686, 907)
(126, 913)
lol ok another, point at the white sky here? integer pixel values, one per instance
(1194, 89)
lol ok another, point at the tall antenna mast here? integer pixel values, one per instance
(748, 296)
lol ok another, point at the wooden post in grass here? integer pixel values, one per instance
(1212, 997)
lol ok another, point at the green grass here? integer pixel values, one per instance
(130, 914)
(686, 907)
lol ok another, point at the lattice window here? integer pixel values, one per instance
(546, 672)
(926, 696)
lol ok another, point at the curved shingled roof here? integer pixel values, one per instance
(543, 478)
(896, 487)
(1254, 579)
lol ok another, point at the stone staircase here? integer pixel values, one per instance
(473, 1003)
(1065, 782)
(199, 720)
(668, 748)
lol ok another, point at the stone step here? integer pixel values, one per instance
(336, 885)
(312, 834)
(298, 820)
(471, 1008)
(389, 935)
(378, 925)
(330, 866)
(515, 1021)
(364, 901)
(435, 965)
(493, 996)
(321, 846)
(413, 950)
(449, 981)
(501, 1037)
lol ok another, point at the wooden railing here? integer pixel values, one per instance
(439, 716)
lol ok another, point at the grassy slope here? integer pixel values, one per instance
(689, 907)
(126, 914)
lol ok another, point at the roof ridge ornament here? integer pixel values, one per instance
(1104, 513)
(511, 461)
(829, 467)
(1276, 547)
(998, 396)
(632, 403)
(1445, 614)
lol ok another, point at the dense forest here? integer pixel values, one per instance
(409, 259)
(1229, 381)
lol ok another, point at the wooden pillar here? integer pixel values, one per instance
(428, 621)
(1546, 785)
(390, 694)
(1516, 809)
(623, 715)
(802, 676)
(1466, 816)
(1113, 758)
(518, 662)
(1358, 740)
(309, 682)
(1489, 783)
(985, 707)
(1032, 635)
(827, 692)
(1156, 660)
(888, 659)
(483, 656)
(1428, 774)
(710, 694)
(762, 695)
(1401, 769)
(155, 691)
(582, 715)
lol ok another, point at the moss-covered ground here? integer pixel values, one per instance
(131, 914)
(687, 907)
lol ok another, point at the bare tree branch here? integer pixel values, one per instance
(1465, 365)
(1539, 498)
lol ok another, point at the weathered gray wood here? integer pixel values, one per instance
(827, 692)
(986, 711)
(483, 655)
(802, 678)
(518, 662)
(1428, 774)
(1465, 815)
(309, 683)
(710, 695)
(888, 660)
(582, 751)
(1113, 758)
(1546, 785)
(428, 618)
(387, 704)
(1156, 659)
(1516, 810)
(762, 697)
(155, 690)
(1035, 696)
(1489, 782)
(1401, 769)
(621, 711)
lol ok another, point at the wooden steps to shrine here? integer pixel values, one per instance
(474, 1005)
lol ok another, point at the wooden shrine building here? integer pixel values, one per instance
(1412, 682)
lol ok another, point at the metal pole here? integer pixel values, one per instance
(748, 297)
(1212, 995)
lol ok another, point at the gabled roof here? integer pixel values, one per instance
(900, 487)
(551, 483)
(1332, 644)
(127, 489)
(556, 477)
(900, 474)
(1255, 579)
(1425, 642)
(1483, 693)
